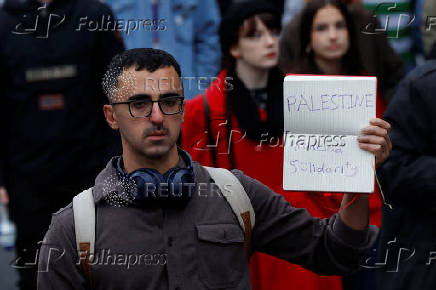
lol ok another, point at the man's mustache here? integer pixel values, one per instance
(154, 129)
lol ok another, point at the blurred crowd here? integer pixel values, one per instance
(234, 56)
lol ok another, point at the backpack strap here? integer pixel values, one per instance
(237, 197)
(84, 223)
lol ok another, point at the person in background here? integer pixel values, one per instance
(187, 29)
(54, 138)
(376, 55)
(238, 123)
(327, 41)
(408, 178)
(327, 45)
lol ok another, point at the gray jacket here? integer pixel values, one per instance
(198, 246)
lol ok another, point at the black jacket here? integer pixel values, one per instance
(52, 127)
(408, 179)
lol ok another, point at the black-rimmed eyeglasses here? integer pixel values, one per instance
(141, 108)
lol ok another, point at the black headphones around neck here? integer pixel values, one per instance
(174, 186)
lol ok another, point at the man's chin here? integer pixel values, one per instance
(157, 151)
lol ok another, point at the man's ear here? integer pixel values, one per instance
(110, 116)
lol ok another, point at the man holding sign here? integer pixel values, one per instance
(195, 236)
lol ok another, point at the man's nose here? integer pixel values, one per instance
(156, 115)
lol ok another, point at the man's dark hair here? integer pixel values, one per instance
(149, 59)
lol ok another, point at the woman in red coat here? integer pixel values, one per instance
(238, 123)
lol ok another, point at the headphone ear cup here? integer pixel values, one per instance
(173, 185)
(179, 181)
(147, 182)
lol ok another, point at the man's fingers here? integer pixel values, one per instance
(373, 139)
(4, 197)
(380, 123)
(373, 148)
(375, 130)
(381, 152)
(378, 127)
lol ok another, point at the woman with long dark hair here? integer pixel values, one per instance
(369, 50)
(327, 40)
(326, 44)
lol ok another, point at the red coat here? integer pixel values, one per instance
(264, 163)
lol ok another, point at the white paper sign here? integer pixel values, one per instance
(323, 116)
